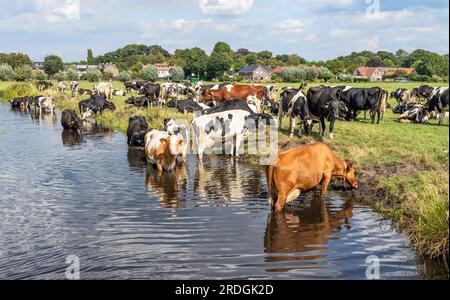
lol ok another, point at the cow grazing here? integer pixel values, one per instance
(70, 120)
(43, 85)
(62, 87)
(303, 169)
(134, 85)
(437, 102)
(151, 91)
(137, 128)
(362, 99)
(105, 89)
(119, 93)
(323, 103)
(220, 127)
(74, 88)
(95, 104)
(163, 149)
(294, 104)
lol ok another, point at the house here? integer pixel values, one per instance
(163, 70)
(256, 73)
(278, 70)
(377, 73)
(37, 65)
(82, 69)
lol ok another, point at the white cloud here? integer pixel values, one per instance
(225, 7)
(291, 26)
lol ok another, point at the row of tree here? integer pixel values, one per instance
(136, 61)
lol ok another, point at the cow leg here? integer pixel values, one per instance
(332, 128)
(372, 116)
(291, 127)
(239, 140)
(323, 126)
(325, 183)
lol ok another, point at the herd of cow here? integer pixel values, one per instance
(229, 112)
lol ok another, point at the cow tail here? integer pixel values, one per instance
(380, 99)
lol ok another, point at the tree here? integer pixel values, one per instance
(90, 57)
(375, 62)
(72, 75)
(264, 55)
(124, 76)
(325, 74)
(6, 72)
(295, 60)
(220, 61)
(335, 66)
(177, 74)
(15, 59)
(53, 64)
(149, 73)
(196, 62)
(23, 73)
(251, 59)
(39, 75)
(93, 75)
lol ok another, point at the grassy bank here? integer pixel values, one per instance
(404, 167)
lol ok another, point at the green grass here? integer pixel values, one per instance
(410, 162)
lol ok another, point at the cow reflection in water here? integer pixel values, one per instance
(168, 185)
(225, 179)
(71, 137)
(137, 159)
(43, 117)
(304, 229)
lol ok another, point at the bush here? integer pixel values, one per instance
(299, 73)
(420, 78)
(124, 76)
(23, 73)
(20, 89)
(71, 75)
(93, 75)
(325, 74)
(361, 79)
(39, 75)
(60, 76)
(177, 74)
(345, 78)
(149, 73)
(437, 78)
(6, 72)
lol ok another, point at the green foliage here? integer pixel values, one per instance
(299, 73)
(124, 76)
(6, 72)
(53, 64)
(375, 63)
(196, 62)
(93, 75)
(90, 57)
(220, 61)
(177, 74)
(20, 89)
(251, 59)
(149, 73)
(361, 79)
(72, 75)
(295, 60)
(325, 74)
(23, 73)
(39, 75)
(15, 59)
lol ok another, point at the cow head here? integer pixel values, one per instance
(308, 124)
(350, 174)
(174, 145)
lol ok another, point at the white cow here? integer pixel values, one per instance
(181, 131)
(46, 103)
(105, 89)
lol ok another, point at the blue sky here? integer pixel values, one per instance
(314, 29)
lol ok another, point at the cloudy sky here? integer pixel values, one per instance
(314, 29)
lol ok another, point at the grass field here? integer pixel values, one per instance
(404, 167)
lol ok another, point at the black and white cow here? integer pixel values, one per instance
(403, 96)
(95, 104)
(227, 106)
(324, 103)
(74, 88)
(43, 85)
(134, 85)
(176, 91)
(437, 102)
(294, 104)
(151, 91)
(186, 106)
(413, 113)
(137, 128)
(119, 93)
(363, 99)
(143, 101)
(422, 91)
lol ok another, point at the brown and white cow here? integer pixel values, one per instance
(249, 93)
(163, 149)
(302, 169)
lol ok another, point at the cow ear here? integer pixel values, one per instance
(164, 141)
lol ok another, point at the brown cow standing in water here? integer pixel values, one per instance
(302, 169)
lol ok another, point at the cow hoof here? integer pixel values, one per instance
(331, 136)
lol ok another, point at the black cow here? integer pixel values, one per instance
(22, 102)
(423, 91)
(185, 106)
(134, 85)
(151, 91)
(43, 85)
(294, 104)
(70, 120)
(401, 108)
(438, 101)
(138, 101)
(96, 104)
(226, 106)
(137, 128)
(362, 99)
(324, 103)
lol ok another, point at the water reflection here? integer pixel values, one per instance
(71, 137)
(136, 159)
(43, 117)
(167, 185)
(305, 230)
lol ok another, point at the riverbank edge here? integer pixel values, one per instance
(372, 191)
